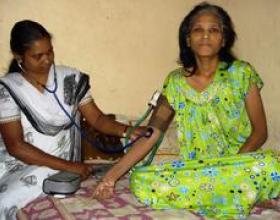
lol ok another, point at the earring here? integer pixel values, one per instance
(19, 65)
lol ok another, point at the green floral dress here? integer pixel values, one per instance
(210, 178)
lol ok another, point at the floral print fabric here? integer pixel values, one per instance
(210, 178)
(222, 188)
(213, 122)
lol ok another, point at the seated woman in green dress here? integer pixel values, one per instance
(221, 126)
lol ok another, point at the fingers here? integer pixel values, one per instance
(84, 176)
(105, 194)
(85, 171)
(90, 167)
(138, 132)
(89, 170)
(104, 190)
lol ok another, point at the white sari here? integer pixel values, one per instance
(45, 126)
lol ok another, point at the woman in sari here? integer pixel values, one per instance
(37, 137)
(221, 126)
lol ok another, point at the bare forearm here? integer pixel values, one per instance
(138, 152)
(103, 123)
(109, 126)
(256, 114)
(254, 142)
(12, 135)
(34, 156)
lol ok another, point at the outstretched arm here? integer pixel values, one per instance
(256, 113)
(139, 150)
(159, 122)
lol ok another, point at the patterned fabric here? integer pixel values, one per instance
(19, 182)
(210, 178)
(122, 206)
(223, 188)
(214, 122)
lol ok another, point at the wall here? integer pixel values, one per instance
(129, 46)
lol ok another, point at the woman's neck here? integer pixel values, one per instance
(207, 66)
(35, 78)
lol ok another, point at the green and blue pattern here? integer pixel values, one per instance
(210, 178)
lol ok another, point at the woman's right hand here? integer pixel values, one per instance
(136, 132)
(84, 170)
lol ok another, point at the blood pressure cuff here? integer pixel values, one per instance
(162, 114)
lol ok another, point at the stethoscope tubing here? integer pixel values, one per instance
(95, 144)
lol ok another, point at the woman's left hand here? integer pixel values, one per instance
(104, 190)
(136, 132)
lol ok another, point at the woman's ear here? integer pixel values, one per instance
(17, 57)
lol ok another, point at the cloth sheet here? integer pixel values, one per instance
(123, 206)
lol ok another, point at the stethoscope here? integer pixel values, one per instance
(95, 143)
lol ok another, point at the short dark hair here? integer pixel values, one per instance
(23, 34)
(187, 57)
